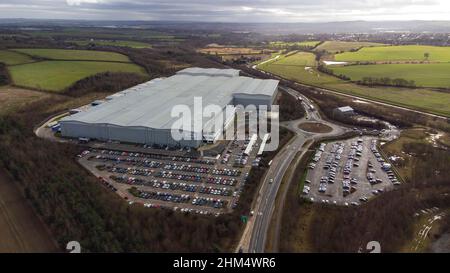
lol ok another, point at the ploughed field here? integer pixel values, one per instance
(58, 69)
(22, 230)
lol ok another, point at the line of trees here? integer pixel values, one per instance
(4, 75)
(105, 82)
(324, 69)
(164, 61)
(370, 81)
(386, 81)
(290, 107)
(295, 48)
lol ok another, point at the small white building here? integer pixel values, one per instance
(344, 111)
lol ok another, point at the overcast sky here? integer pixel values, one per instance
(229, 10)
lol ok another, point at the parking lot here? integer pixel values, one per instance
(348, 172)
(183, 182)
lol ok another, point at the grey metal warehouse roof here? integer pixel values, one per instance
(195, 71)
(150, 104)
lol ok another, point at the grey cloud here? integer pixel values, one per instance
(223, 10)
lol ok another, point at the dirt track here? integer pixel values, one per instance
(21, 229)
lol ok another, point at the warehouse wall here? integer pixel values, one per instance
(245, 100)
(127, 134)
(78, 129)
(140, 135)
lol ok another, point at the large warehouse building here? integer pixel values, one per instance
(142, 114)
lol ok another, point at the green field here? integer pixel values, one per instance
(425, 75)
(61, 68)
(281, 44)
(121, 43)
(293, 67)
(81, 55)
(339, 46)
(297, 59)
(397, 53)
(419, 98)
(58, 75)
(298, 72)
(11, 58)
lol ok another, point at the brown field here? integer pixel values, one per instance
(315, 127)
(406, 164)
(12, 98)
(434, 227)
(21, 229)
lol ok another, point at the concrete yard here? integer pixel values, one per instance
(350, 185)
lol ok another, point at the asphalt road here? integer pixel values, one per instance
(255, 235)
